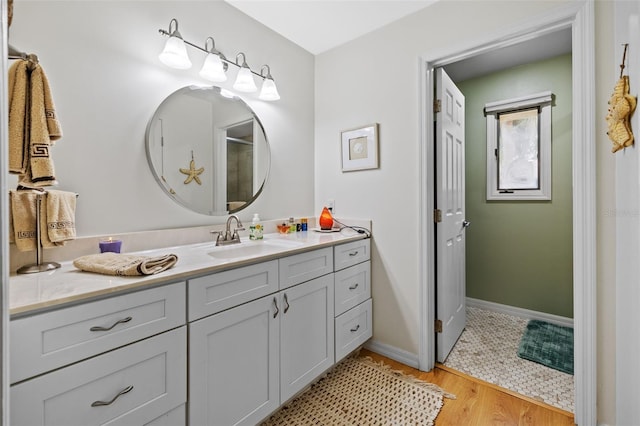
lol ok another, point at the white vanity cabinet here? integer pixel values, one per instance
(245, 361)
(117, 361)
(228, 346)
(353, 307)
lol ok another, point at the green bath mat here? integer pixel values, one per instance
(548, 344)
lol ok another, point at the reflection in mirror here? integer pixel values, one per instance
(207, 150)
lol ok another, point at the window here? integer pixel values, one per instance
(519, 148)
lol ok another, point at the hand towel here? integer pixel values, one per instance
(18, 118)
(40, 169)
(61, 216)
(23, 212)
(124, 264)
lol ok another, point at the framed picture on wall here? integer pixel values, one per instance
(360, 148)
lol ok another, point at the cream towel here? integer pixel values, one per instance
(60, 217)
(124, 264)
(23, 212)
(43, 128)
(18, 118)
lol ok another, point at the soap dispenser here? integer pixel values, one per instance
(255, 229)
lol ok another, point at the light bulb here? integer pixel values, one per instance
(213, 68)
(174, 54)
(244, 81)
(269, 90)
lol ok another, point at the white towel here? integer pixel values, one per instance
(124, 264)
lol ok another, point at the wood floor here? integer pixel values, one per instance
(479, 403)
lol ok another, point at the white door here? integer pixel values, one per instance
(450, 216)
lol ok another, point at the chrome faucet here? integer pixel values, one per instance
(230, 237)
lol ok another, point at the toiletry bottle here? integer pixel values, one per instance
(303, 224)
(255, 229)
(292, 225)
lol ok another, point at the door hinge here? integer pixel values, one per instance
(438, 326)
(437, 215)
(436, 105)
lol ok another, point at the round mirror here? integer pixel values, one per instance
(208, 150)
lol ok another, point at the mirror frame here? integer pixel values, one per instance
(162, 182)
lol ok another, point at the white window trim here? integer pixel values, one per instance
(491, 110)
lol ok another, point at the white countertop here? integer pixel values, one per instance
(29, 293)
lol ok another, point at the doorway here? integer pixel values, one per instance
(518, 253)
(578, 17)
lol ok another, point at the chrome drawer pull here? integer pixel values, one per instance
(355, 253)
(286, 300)
(353, 287)
(353, 330)
(122, 392)
(122, 321)
(275, 303)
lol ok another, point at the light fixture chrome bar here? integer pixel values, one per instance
(222, 57)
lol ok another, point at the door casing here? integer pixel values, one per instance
(580, 17)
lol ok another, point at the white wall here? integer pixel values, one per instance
(375, 79)
(627, 215)
(101, 58)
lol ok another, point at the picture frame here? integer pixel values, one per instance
(360, 148)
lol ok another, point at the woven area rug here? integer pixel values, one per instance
(548, 344)
(360, 392)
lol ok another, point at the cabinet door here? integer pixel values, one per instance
(306, 334)
(129, 386)
(233, 365)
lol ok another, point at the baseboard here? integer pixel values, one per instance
(400, 355)
(519, 312)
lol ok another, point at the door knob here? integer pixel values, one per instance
(466, 224)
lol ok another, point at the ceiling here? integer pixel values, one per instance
(320, 25)
(537, 49)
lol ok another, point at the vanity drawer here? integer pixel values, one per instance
(353, 286)
(50, 340)
(352, 253)
(305, 266)
(216, 292)
(353, 328)
(155, 370)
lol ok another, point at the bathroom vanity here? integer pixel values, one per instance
(225, 337)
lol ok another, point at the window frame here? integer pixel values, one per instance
(543, 102)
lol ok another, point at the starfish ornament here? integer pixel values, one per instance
(192, 173)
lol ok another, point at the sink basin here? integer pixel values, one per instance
(253, 248)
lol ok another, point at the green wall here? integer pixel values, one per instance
(519, 253)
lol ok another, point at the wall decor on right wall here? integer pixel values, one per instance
(621, 107)
(360, 148)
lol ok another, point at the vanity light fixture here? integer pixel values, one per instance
(213, 68)
(216, 64)
(269, 91)
(174, 53)
(244, 80)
